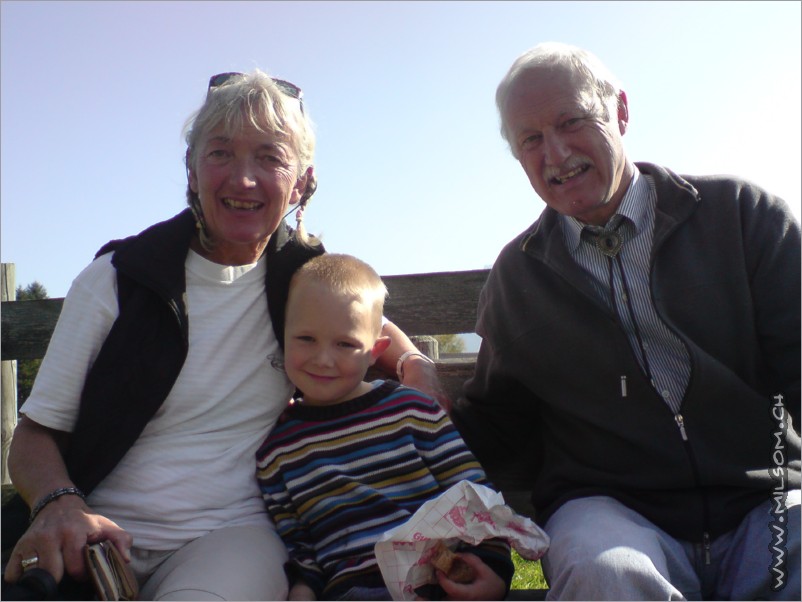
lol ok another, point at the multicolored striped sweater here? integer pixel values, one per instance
(335, 478)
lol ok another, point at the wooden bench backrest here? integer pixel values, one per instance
(420, 304)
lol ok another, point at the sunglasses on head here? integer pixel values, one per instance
(288, 88)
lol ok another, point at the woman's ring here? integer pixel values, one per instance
(29, 562)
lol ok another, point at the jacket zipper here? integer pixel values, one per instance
(678, 417)
(681, 424)
(680, 420)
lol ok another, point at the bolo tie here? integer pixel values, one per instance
(609, 242)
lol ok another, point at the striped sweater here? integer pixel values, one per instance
(335, 478)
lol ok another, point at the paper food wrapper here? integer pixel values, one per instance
(466, 512)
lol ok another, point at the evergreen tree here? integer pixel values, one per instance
(33, 291)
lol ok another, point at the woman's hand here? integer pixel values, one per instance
(418, 373)
(57, 538)
(422, 375)
(486, 585)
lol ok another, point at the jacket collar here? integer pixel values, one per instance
(677, 200)
(156, 256)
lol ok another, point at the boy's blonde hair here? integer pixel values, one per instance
(347, 275)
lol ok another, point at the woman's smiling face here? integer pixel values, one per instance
(246, 182)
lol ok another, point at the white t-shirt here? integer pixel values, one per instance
(192, 469)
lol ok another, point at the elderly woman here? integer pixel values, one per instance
(165, 369)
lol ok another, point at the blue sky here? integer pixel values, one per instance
(414, 176)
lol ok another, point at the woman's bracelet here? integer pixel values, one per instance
(54, 495)
(399, 368)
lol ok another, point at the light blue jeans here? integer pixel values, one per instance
(602, 550)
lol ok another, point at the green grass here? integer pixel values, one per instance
(528, 574)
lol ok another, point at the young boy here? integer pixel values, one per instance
(354, 459)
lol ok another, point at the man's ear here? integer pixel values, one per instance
(623, 112)
(379, 347)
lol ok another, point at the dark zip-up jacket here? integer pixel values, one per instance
(146, 347)
(545, 409)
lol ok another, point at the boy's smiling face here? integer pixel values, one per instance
(331, 339)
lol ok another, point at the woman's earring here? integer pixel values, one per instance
(311, 187)
(200, 223)
(300, 229)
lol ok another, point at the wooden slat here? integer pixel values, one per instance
(419, 304)
(434, 303)
(27, 327)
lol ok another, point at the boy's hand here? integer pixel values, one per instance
(301, 591)
(487, 585)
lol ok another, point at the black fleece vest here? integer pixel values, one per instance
(146, 347)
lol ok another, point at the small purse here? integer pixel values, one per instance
(111, 576)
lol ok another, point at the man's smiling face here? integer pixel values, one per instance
(569, 143)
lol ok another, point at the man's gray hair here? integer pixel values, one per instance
(591, 71)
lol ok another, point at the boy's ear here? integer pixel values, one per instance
(379, 347)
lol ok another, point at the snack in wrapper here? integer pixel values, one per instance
(465, 514)
(454, 567)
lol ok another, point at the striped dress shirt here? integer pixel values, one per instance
(667, 361)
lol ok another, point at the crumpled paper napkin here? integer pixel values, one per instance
(466, 512)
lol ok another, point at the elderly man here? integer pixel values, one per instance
(640, 358)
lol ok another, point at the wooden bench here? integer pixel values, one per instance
(421, 305)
